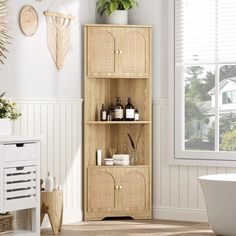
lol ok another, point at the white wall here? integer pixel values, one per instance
(154, 13)
(29, 71)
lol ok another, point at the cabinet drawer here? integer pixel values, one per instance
(19, 185)
(19, 152)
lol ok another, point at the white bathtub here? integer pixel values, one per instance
(220, 196)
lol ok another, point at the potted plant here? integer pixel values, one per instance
(116, 10)
(8, 113)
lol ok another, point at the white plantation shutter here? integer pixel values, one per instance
(205, 31)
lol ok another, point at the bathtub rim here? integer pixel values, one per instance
(231, 177)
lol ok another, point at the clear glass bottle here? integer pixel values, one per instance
(111, 111)
(103, 113)
(129, 110)
(119, 111)
(136, 115)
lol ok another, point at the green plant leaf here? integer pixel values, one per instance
(3, 94)
(126, 5)
(133, 3)
(108, 11)
(101, 6)
(114, 6)
(102, 11)
(100, 3)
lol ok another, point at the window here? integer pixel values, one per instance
(205, 79)
(229, 97)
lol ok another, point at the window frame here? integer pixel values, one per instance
(176, 127)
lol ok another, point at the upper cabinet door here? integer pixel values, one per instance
(118, 52)
(134, 52)
(101, 47)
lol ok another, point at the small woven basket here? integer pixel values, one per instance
(6, 223)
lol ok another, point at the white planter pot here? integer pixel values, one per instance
(119, 17)
(5, 127)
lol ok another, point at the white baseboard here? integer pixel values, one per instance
(179, 214)
(69, 217)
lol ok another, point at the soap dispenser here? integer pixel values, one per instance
(49, 183)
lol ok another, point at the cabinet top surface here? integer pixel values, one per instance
(119, 166)
(9, 139)
(121, 26)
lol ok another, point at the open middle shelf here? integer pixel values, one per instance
(105, 136)
(105, 91)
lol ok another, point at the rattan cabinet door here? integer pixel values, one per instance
(134, 193)
(102, 53)
(134, 52)
(101, 190)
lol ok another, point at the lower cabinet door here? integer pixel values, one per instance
(101, 190)
(134, 190)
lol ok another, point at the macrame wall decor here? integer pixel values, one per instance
(4, 37)
(58, 27)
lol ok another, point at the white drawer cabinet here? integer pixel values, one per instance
(20, 177)
(19, 151)
(19, 185)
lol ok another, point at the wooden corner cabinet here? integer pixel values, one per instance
(117, 64)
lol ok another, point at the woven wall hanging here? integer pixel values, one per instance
(28, 20)
(58, 27)
(4, 36)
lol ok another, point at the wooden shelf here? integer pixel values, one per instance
(117, 122)
(119, 26)
(119, 166)
(112, 77)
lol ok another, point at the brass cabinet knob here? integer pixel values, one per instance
(120, 187)
(117, 187)
(118, 52)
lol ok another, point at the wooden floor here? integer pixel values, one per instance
(134, 228)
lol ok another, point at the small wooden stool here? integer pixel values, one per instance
(52, 204)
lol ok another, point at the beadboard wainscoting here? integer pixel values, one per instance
(177, 193)
(59, 122)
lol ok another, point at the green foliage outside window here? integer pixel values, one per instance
(197, 85)
(229, 141)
